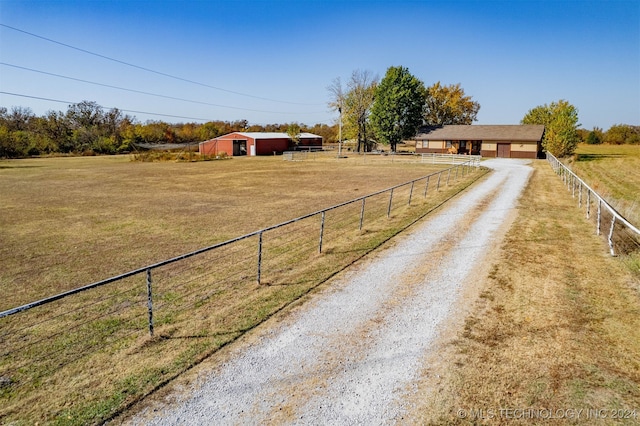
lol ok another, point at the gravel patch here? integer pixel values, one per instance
(352, 354)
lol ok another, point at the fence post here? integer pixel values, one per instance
(579, 194)
(599, 216)
(448, 176)
(321, 233)
(362, 213)
(457, 167)
(390, 200)
(426, 187)
(613, 224)
(150, 301)
(259, 257)
(588, 204)
(438, 184)
(411, 192)
(573, 186)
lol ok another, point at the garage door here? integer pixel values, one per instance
(504, 150)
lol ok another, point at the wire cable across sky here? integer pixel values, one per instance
(149, 93)
(119, 109)
(151, 70)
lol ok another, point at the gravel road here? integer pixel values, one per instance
(353, 353)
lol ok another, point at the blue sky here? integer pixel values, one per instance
(271, 61)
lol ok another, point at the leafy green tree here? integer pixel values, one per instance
(186, 132)
(208, 130)
(593, 138)
(57, 128)
(6, 145)
(293, 130)
(328, 133)
(561, 123)
(19, 118)
(449, 105)
(21, 134)
(85, 115)
(622, 134)
(397, 110)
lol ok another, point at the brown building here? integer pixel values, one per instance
(256, 143)
(506, 141)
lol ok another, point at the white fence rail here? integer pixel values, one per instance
(453, 159)
(450, 159)
(620, 231)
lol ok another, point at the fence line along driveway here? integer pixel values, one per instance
(351, 354)
(622, 235)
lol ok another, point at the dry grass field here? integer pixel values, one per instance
(556, 327)
(614, 172)
(66, 222)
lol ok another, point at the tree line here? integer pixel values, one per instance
(391, 110)
(618, 134)
(371, 111)
(562, 135)
(86, 128)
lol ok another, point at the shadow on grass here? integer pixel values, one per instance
(20, 167)
(203, 335)
(592, 157)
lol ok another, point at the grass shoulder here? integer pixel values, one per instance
(614, 172)
(557, 325)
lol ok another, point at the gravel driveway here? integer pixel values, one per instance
(353, 353)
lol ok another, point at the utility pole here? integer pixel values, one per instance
(340, 130)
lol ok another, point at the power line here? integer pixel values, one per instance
(149, 69)
(119, 109)
(149, 93)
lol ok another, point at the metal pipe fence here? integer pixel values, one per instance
(194, 295)
(622, 236)
(424, 158)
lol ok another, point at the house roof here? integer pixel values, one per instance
(510, 132)
(308, 135)
(264, 135)
(274, 135)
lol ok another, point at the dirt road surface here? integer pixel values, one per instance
(356, 352)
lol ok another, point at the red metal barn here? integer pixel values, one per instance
(309, 140)
(254, 143)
